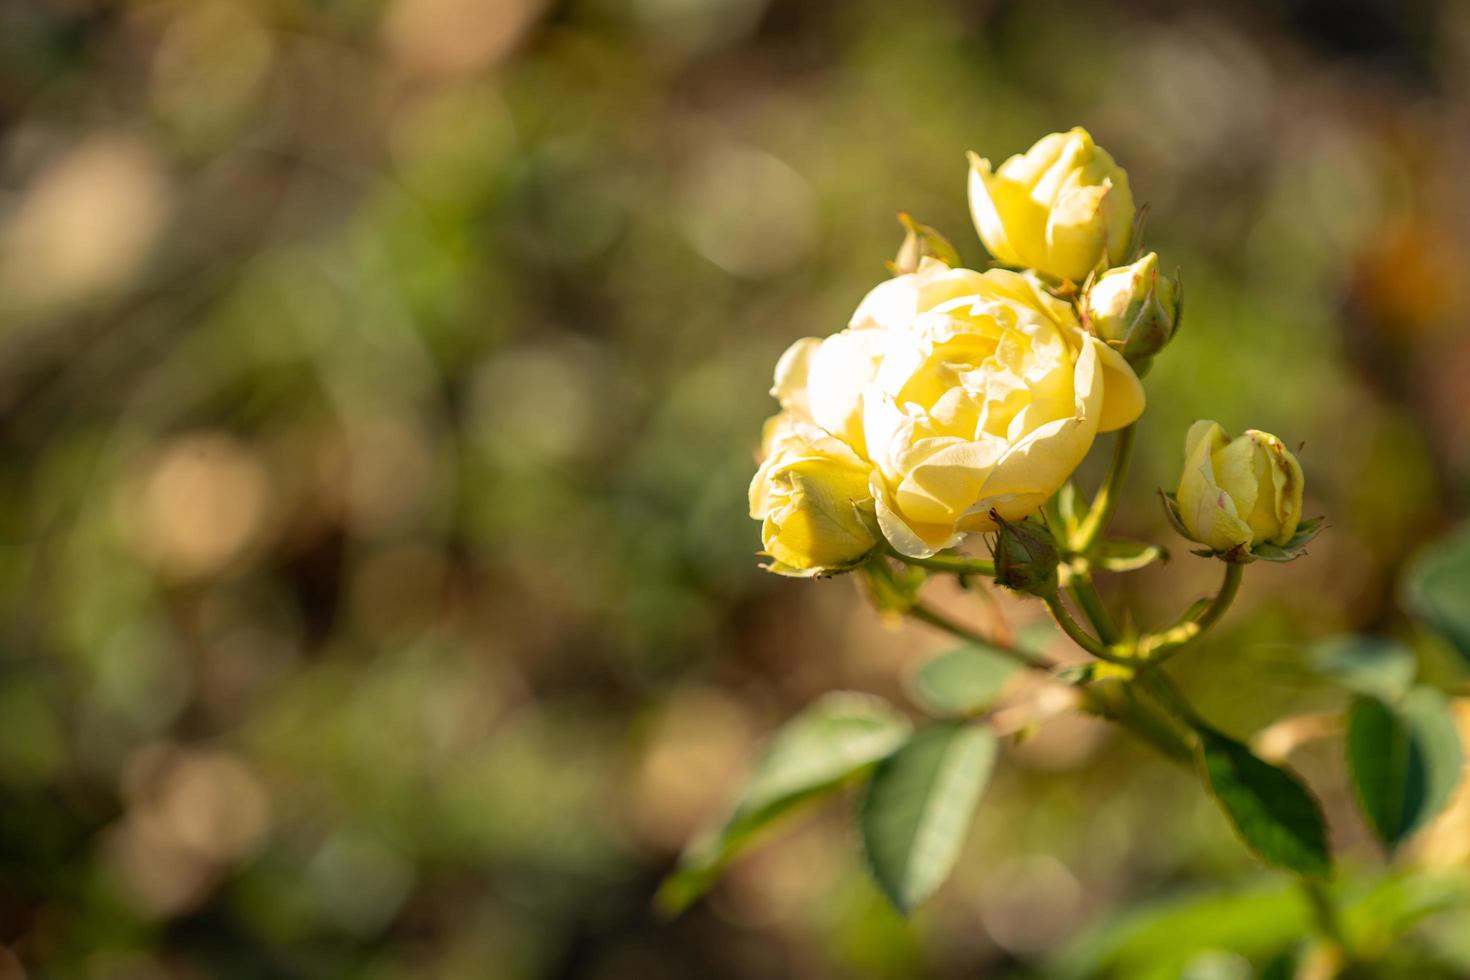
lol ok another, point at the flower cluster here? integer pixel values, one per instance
(959, 401)
(956, 398)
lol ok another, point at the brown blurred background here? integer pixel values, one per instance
(378, 388)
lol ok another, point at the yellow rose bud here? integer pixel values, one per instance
(1238, 494)
(1062, 208)
(1133, 310)
(812, 499)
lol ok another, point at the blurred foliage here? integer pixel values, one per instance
(378, 388)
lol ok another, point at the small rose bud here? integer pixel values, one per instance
(1242, 497)
(1133, 310)
(811, 496)
(921, 242)
(1025, 556)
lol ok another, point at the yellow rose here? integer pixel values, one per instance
(1236, 494)
(822, 379)
(967, 391)
(1060, 208)
(984, 400)
(809, 495)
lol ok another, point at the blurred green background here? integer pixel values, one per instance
(379, 383)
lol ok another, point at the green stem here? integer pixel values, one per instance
(1324, 911)
(1159, 647)
(1084, 592)
(1167, 694)
(1223, 598)
(938, 620)
(949, 563)
(1079, 635)
(1119, 704)
(1106, 500)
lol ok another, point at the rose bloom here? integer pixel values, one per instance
(968, 392)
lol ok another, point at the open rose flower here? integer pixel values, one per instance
(968, 392)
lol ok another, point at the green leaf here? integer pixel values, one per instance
(1127, 556)
(1283, 966)
(1405, 760)
(837, 738)
(1036, 636)
(917, 808)
(1365, 664)
(963, 682)
(1258, 920)
(1171, 511)
(1078, 675)
(1437, 588)
(1400, 903)
(1269, 807)
(1158, 938)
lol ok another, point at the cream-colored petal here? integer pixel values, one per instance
(1076, 231)
(985, 212)
(1118, 209)
(1205, 429)
(760, 492)
(1027, 290)
(913, 540)
(1042, 462)
(1284, 482)
(837, 372)
(887, 431)
(1008, 221)
(1012, 508)
(894, 303)
(1123, 397)
(1071, 154)
(1244, 472)
(1290, 483)
(790, 386)
(1030, 167)
(891, 303)
(944, 486)
(1204, 508)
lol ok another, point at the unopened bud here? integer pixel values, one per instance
(1134, 310)
(920, 242)
(1025, 556)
